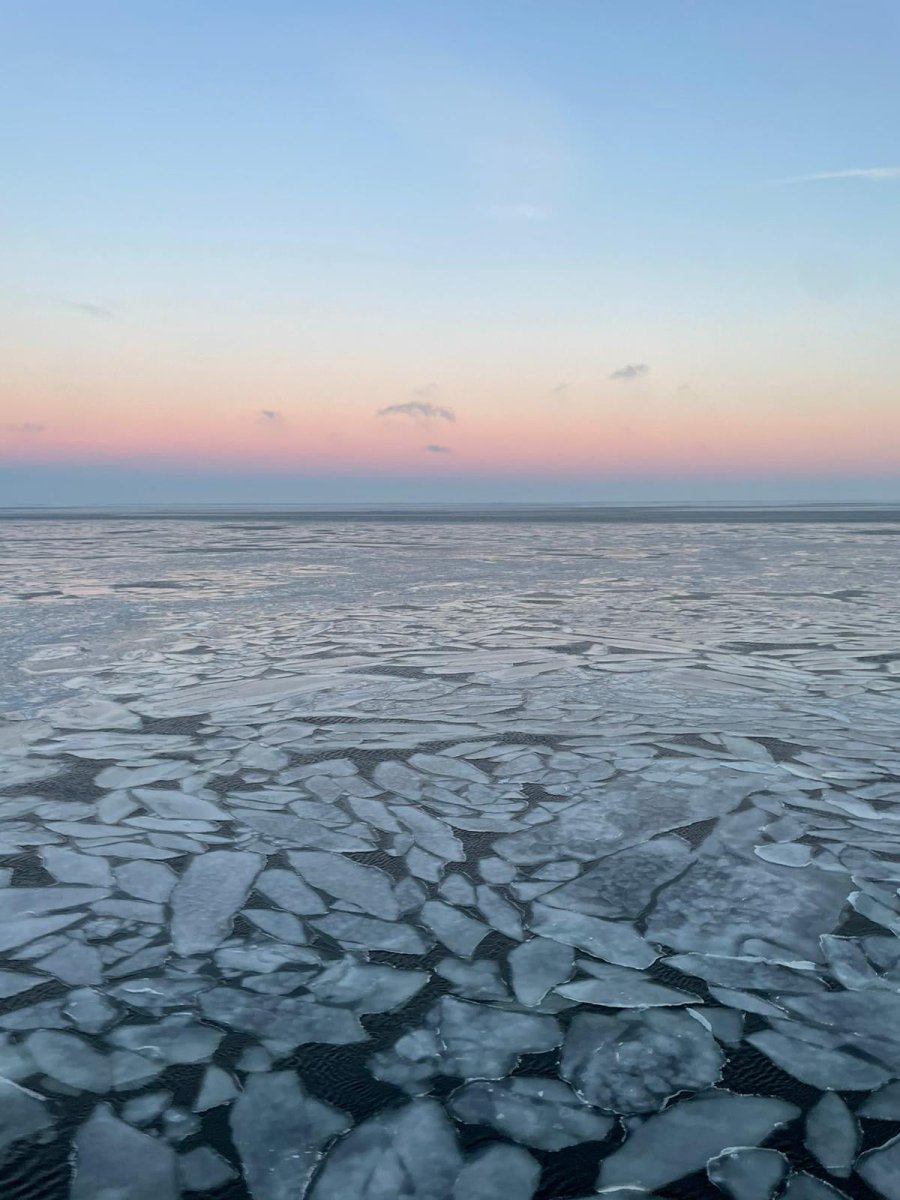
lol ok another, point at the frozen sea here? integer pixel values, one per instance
(508, 854)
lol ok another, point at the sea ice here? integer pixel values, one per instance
(366, 987)
(368, 933)
(202, 1170)
(748, 1172)
(537, 966)
(621, 987)
(622, 884)
(722, 902)
(22, 1114)
(832, 1135)
(408, 1152)
(70, 1059)
(146, 880)
(880, 1168)
(114, 1160)
(544, 1113)
(633, 1062)
(293, 1020)
(288, 892)
(683, 1138)
(217, 1087)
(610, 940)
(208, 895)
(459, 933)
(279, 1130)
(501, 1172)
(347, 880)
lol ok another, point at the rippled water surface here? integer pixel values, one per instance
(449, 860)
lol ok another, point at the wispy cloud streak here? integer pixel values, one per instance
(872, 174)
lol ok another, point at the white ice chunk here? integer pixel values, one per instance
(290, 893)
(747, 1172)
(832, 1135)
(291, 1020)
(500, 1172)
(114, 1161)
(166, 802)
(202, 1170)
(460, 933)
(12, 983)
(22, 1114)
(146, 880)
(279, 1130)
(883, 1104)
(621, 987)
(613, 941)
(634, 1062)
(880, 1169)
(68, 866)
(347, 880)
(174, 1039)
(207, 896)
(537, 966)
(366, 987)
(74, 963)
(539, 1112)
(218, 1087)
(682, 1139)
(70, 1059)
(820, 1066)
(368, 933)
(409, 1152)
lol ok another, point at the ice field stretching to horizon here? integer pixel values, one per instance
(360, 859)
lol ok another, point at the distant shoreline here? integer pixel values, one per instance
(670, 514)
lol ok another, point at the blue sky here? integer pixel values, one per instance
(323, 210)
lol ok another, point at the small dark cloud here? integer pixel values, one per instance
(23, 427)
(433, 448)
(630, 371)
(561, 391)
(97, 311)
(270, 416)
(423, 409)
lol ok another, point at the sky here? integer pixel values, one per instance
(493, 250)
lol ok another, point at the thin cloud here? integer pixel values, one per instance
(423, 409)
(98, 311)
(872, 174)
(433, 448)
(630, 371)
(23, 427)
(561, 391)
(270, 416)
(519, 212)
